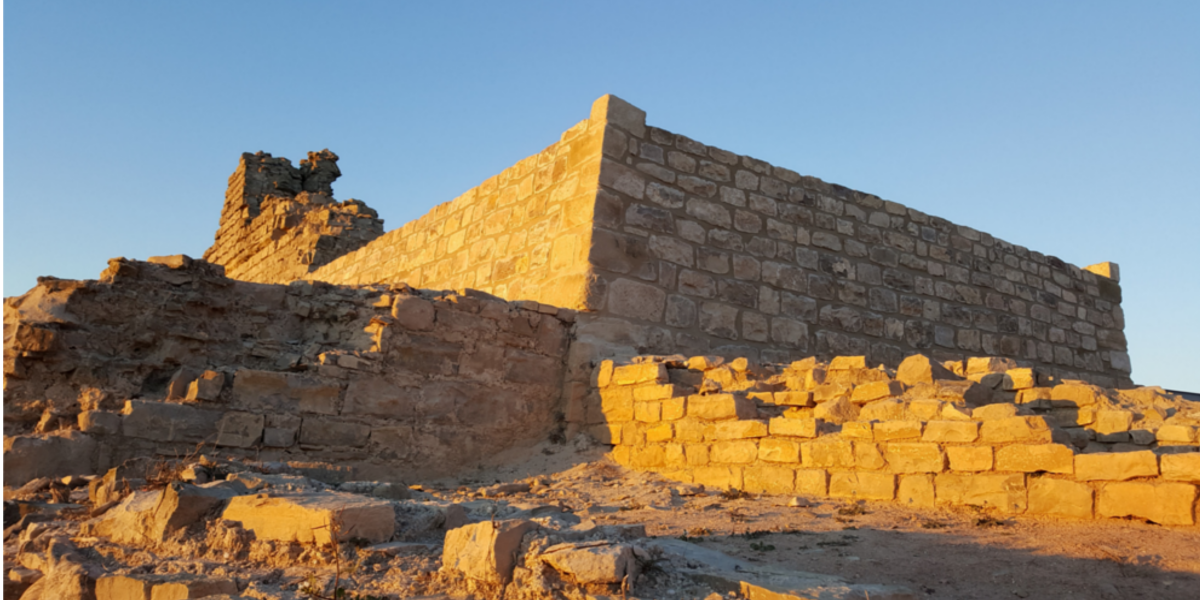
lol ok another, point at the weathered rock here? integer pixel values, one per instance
(592, 562)
(64, 582)
(920, 369)
(162, 587)
(485, 551)
(53, 455)
(312, 517)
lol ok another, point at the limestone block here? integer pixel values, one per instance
(812, 482)
(1060, 498)
(1165, 503)
(769, 480)
(1015, 429)
(636, 300)
(868, 456)
(736, 430)
(646, 392)
(239, 429)
(916, 490)
(897, 430)
(1113, 421)
(875, 390)
(57, 454)
(413, 313)
(306, 517)
(862, 485)
(1075, 394)
(836, 411)
(805, 428)
(611, 109)
(99, 422)
(951, 412)
(485, 551)
(1019, 379)
(647, 412)
(969, 458)
(279, 437)
(661, 432)
(164, 422)
(206, 387)
(1032, 458)
(793, 398)
(640, 373)
(920, 369)
(1176, 434)
(992, 412)
(950, 431)
(127, 522)
(179, 505)
(320, 431)
(592, 562)
(617, 404)
(841, 363)
(1181, 467)
(926, 410)
(1005, 493)
(773, 449)
(721, 406)
(915, 457)
(652, 456)
(733, 452)
(1115, 466)
(827, 453)
(718, 477)
(887, 409)
(989, 364)
(858, 430)
(674, 408)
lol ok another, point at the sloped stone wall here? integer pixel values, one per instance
(523, 234)
(709, 251)
(171, 358)
(992, 435)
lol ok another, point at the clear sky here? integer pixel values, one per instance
(1072, 128)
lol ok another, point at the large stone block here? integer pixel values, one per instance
(313, 517)
(485, 551)
(640, 373)
(915, 457)
(27, 457)
(1060, 498)
(734, 452)
(1115, 466)
(1005, 493)
(319, 431)
(164, 422)
(916, 490)
(721, 406)
(375, 396)
(920, 369)
(1165, 503)
(804, 428)
(827, 453)
(950, 431)
(1032, 458)
(778, 450)
(636, 300)
(736, 430)
(769, 480)
(969, 458)
(239, 429)
(1015, 429)
(592, 562)
(862, 485)
(1181, 467)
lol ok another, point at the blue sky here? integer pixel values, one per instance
(1070, 128)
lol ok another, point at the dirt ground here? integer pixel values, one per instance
(938, 553)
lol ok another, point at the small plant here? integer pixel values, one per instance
(761, 546)
(848, 511)
(312, 586)
(734, 494)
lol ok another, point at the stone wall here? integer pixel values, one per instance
(280, 222)
(707, 251)
(991, 435)
(170, 357)
(523, 234)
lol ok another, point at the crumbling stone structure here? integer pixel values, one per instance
(667, 245)
(981, 432)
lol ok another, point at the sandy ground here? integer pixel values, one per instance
(938, 553)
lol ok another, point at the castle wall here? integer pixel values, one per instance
(369, 382)
(523, 234)
(700, 250)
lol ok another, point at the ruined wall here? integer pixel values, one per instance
(523, 234)
(370, 382)
(1010, 440)
(280, 222)
(707, 251)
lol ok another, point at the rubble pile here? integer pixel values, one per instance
(977, 432)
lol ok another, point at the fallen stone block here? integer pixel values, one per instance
(65, 582)
(312, 517)
(163, 587)
(592, 562)
(919, 369)
(485, 551)
(181, 504)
